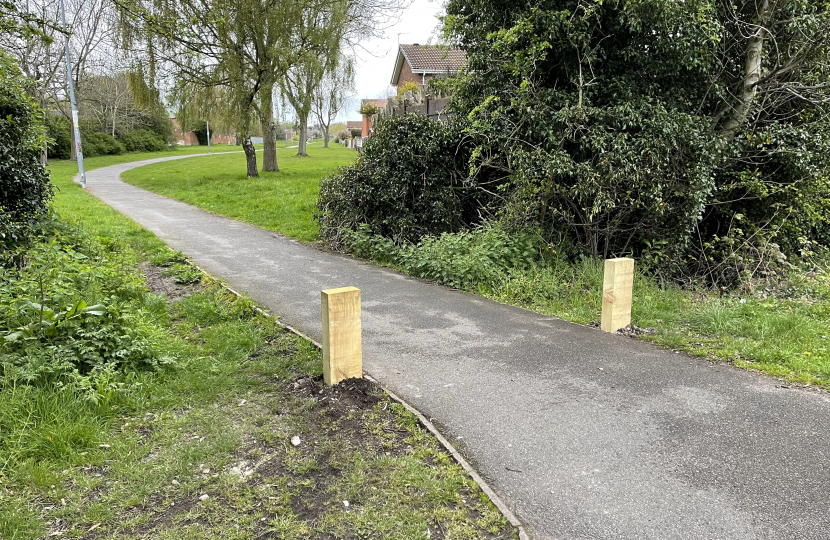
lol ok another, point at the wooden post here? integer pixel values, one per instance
(616, 294)
(342, 347)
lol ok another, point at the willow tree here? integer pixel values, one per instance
(233, 46)
(331, 95)
(316, 43)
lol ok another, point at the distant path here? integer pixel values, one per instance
(586, 435)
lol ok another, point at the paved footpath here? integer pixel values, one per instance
(584, 435)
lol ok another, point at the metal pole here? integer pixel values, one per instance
(286, 138)
(72, 104)
(207, 125)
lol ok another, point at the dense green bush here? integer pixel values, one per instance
(199, 128)
(624, 125)
(24, 183)
(143, 140)
(96, 143)
(74, 310)
(60, 136)
(410, 180)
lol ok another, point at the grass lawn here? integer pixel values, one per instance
(203, 448)
(283, 202)
(781, 332)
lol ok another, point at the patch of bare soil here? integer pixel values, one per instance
(158, 283)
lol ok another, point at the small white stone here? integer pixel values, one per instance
(346, 504)
(175, 482)
(295, 440)
(206, 471)
(243, 402)
(204, 497)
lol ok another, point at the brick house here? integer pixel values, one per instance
(420, 63)
(366, 123)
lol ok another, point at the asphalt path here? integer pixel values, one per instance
(585, 435)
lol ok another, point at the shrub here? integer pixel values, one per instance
(59, 132)
(143, 140)
(410, 181)
(343, 134)
(199, 128)
(356, 132)
(462, 260)
(96, 143)
(25, 189)
(72, 311)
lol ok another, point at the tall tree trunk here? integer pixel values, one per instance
(269, 143)
(301, 143)
(752, 74)
(325, 136)
(250, 156)
(269, 130)
(73, 145)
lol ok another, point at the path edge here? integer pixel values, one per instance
(429, 426)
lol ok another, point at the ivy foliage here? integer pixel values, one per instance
(411, 180)
(24, 183)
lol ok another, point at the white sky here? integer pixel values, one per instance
(418, 24)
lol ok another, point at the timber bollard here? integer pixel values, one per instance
(342, 346)
(616, 294)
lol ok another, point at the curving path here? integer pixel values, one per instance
(653, 445)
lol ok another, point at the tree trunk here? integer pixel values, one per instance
(752, 74)
(301, 142)
(269, 143)
(325, 136)
(250, 156)
(269, 131)
(73, 145)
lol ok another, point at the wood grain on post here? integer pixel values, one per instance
(342, 347)
(616, 294)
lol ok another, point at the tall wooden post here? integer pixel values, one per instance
(616, 294)
(342, 346)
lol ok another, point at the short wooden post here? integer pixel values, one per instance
(616, 294)
(342, 347)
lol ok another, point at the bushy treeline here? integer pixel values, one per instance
(98, 143)
(692, 135)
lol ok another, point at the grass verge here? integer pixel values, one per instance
(282, 202)
(201, 446)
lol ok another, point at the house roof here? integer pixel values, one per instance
(428, 59)
(354, 124)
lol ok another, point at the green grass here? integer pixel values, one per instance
(282, 202)
(135, 463)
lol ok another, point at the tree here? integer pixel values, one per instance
(316, 44)
(42, 61)
(335, 88)
(231, 47)
(25, 189)
(630, 124)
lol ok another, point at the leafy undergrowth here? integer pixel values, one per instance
(780, 328)
(204, 449)
(282, 202)
(170, 412)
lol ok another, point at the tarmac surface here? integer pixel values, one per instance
(585, 435)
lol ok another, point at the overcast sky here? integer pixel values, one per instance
(418, 24)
